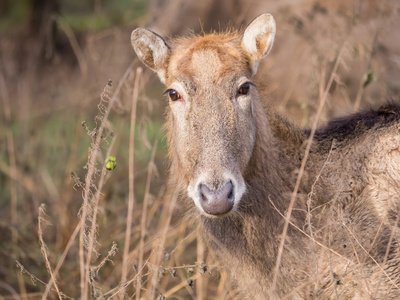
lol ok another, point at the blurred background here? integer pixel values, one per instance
(56, 58)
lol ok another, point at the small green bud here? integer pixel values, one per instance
(369, 77)
(111, 163)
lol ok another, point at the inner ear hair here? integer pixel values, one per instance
(151, 49)
(258, 38)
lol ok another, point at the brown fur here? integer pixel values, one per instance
(349, 194)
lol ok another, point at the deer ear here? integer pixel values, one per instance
(152, 50)
(258, 38)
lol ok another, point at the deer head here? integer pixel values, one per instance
(212, 120)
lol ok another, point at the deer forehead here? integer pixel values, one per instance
(206, 66)
(206, 62)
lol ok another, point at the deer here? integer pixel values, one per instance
(235, 162)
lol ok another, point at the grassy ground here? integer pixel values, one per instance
(54, 139)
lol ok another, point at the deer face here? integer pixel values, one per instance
(212, 123)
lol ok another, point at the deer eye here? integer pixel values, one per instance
(174, 95)
(244, 88)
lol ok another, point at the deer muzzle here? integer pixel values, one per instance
(217, 202)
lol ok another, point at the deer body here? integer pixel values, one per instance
(236, 162)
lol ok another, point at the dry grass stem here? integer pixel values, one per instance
(43, 218)
(373, 259)
(13, 175)
(181, 285)
(303, 165)
(221, 285)
(200, 260)
(330, 251)
(307, 235)
(87, 207)
(395, 226)
(123, 285)
(25, 181)
(144, 215)
(74, 44)
(12, 291)
(367, 67)
(309, 202)
(35, 279)
(131, 197)
(358, 262)
(62, 258)
(95, 204)
(112, 252)
(170, 205)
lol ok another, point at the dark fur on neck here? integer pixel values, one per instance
(359, 123)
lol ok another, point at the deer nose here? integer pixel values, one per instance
(217, 202)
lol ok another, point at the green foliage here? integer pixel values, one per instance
(13, 13)
(81, 22)
(80, 15)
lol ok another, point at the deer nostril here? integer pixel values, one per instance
(230, 196)
(217, 202)
(202, 192)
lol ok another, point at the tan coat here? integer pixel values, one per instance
(236, 161)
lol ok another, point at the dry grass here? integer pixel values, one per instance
(323, 96)
(117, 234)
